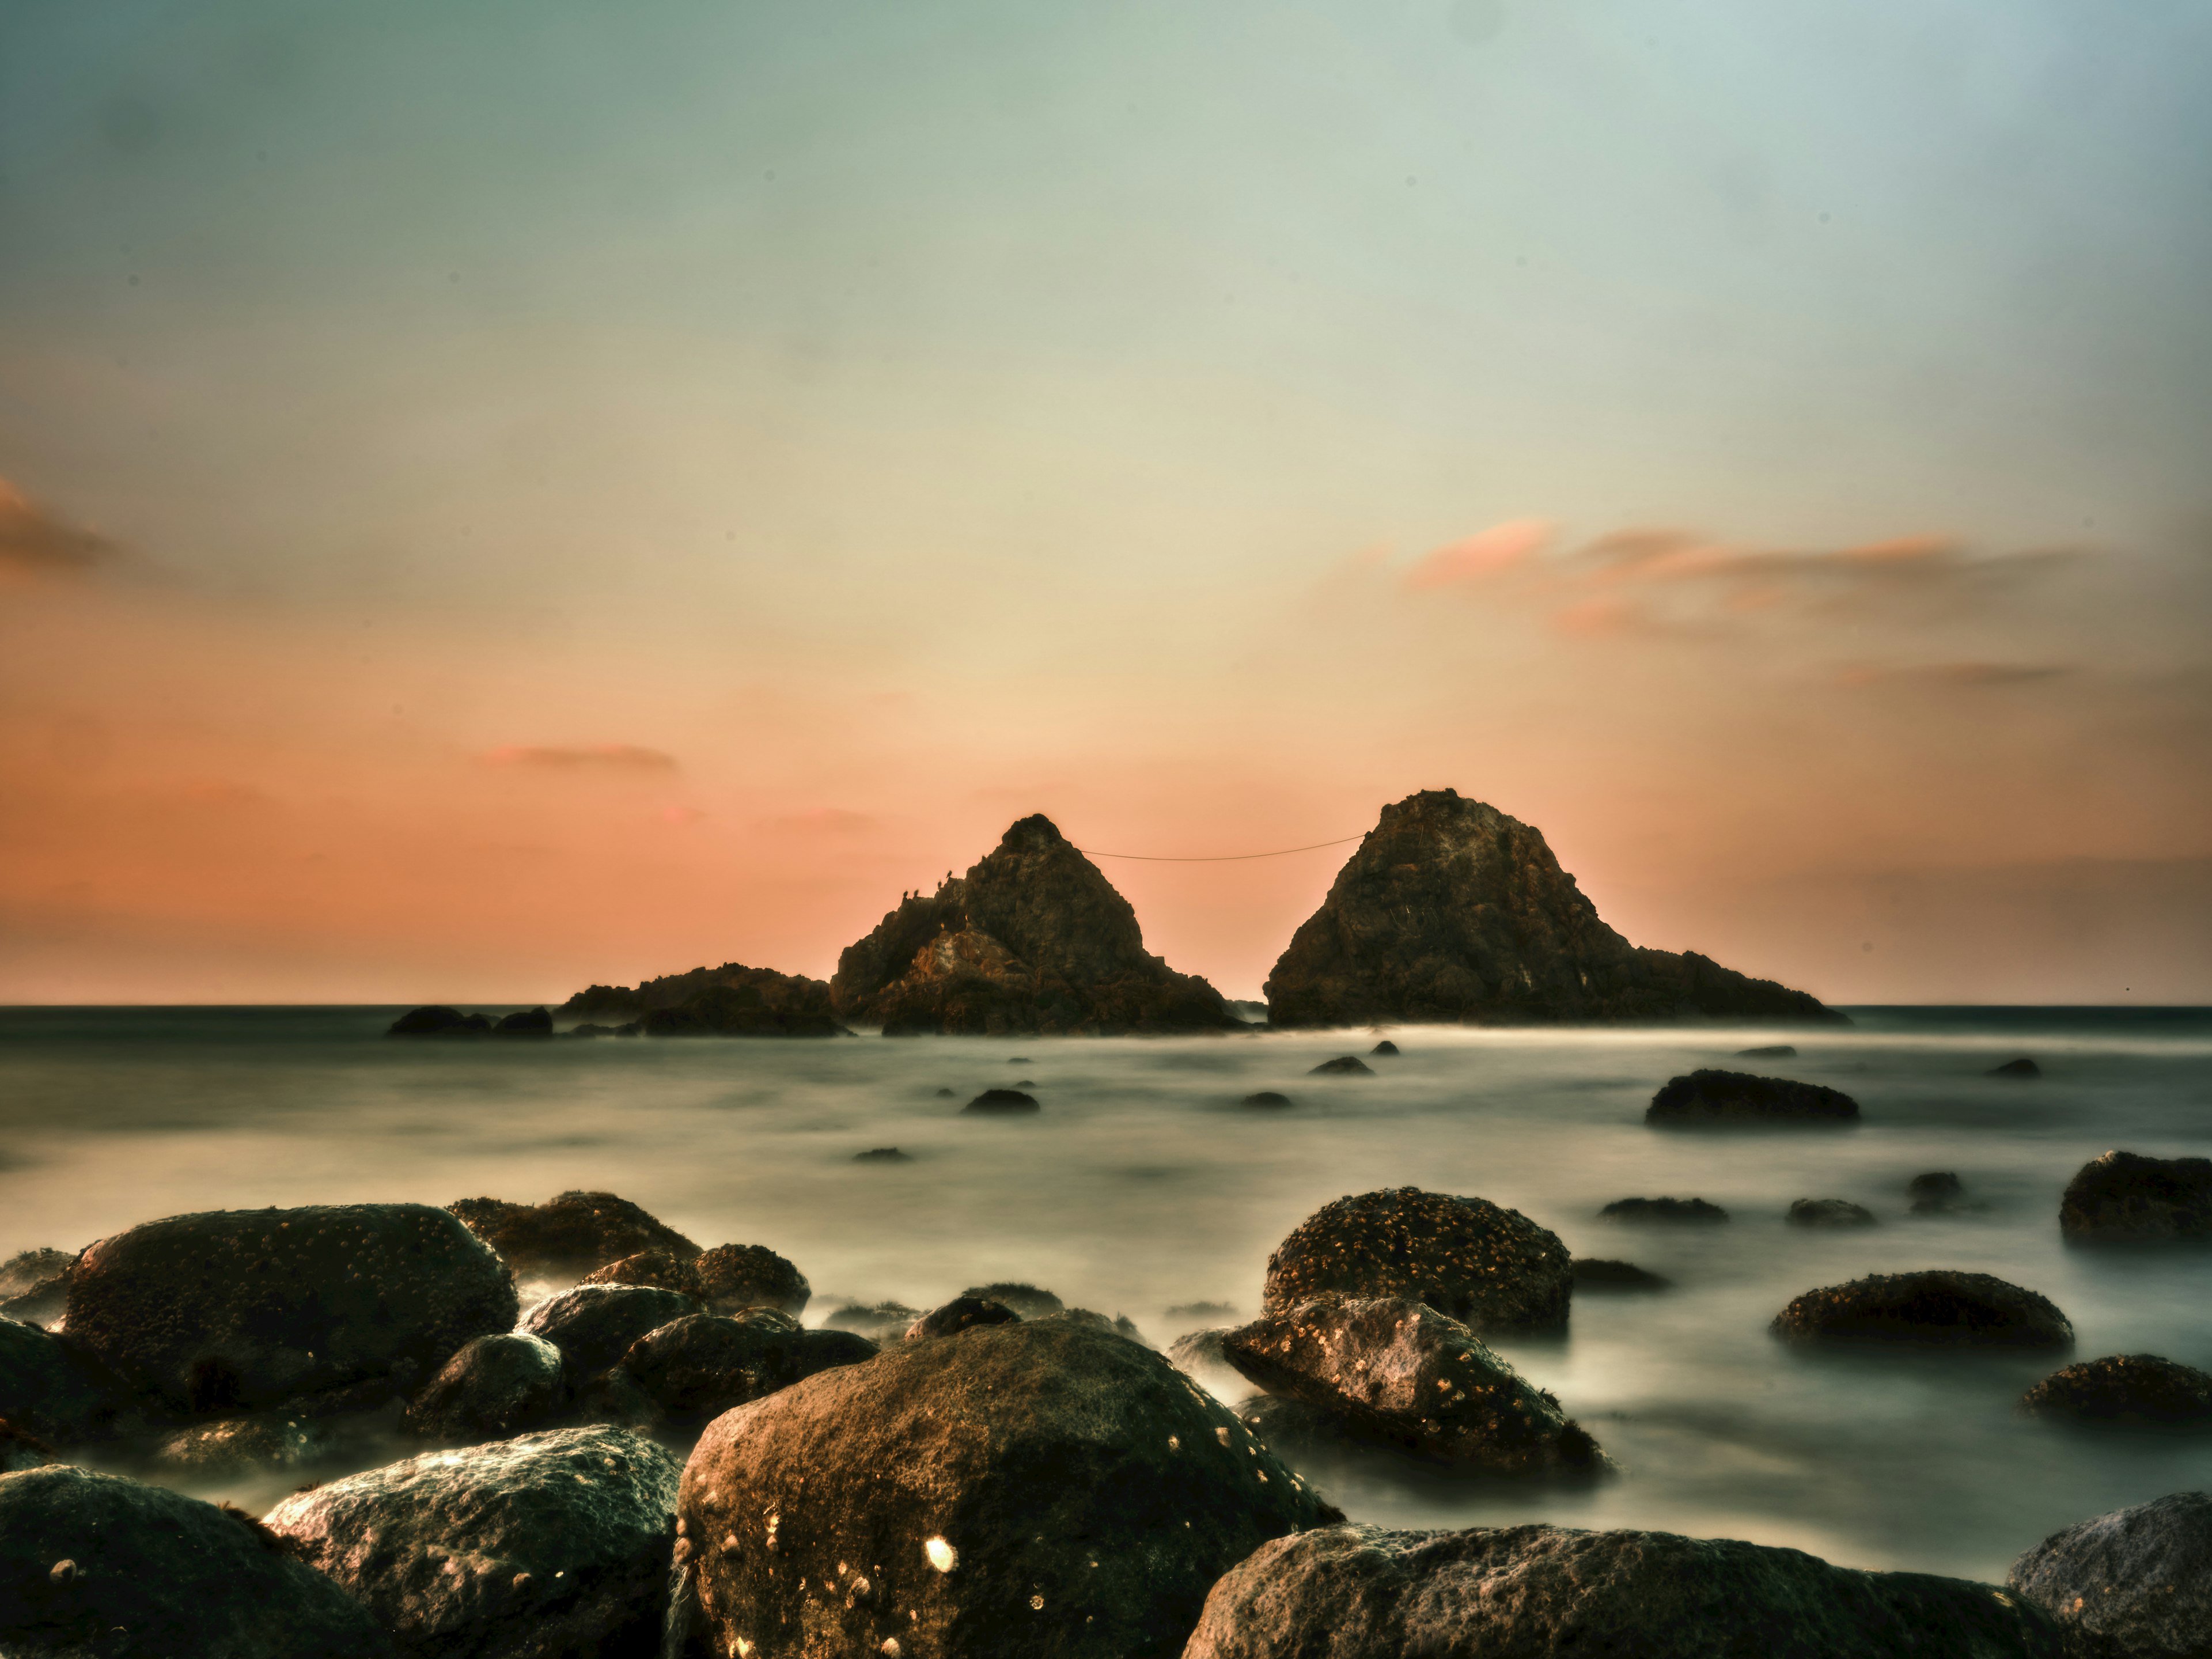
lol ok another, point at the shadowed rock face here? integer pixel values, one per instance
(1451, 911)
(1032, 939)
(2133, 1584)
(2124, 1196)
(731, 1001)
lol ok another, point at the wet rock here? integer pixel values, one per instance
(1385, 1048)
(1002, 1100)
(1032, 939)
(1343, 1065)
(883, 1155)
(1451, 911)
(43, 1305)
(1938, 1309)
(554, 1544)
(963, 1313)
(593, 1325)
(1200, 1352)
(879, 1322)
(731, 1001)
(1398, 1372)
(1538, 1592)
(2134, 1390)
(48, 1387)
(663, 1269)
(1770, 1051)
(1829, 1213)
(1937, 1190)
(1738, 1097)
(35, 1286)
(267, 1442)
(235, 1310)
(1266, 1098)
(2022, 1067)
(702, 1365)
(1603, 1273)
(439, 1022)
(2133, 1584)
(1492, 1268)
(2123, 1197)
(84, 1555)
(735, 1277)
(1663, 1213)
(526, 1023)
(1027, 1300)
(568, 1235)
(494, 1387)
(1033, 1488)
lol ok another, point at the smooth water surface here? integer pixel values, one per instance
(1143, 1184)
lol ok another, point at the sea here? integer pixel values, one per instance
(1144, 1187)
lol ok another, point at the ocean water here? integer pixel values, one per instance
(1143, 1185)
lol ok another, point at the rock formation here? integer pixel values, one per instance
(731, 1001)
(1032, 939)
(1451, 911)
(1937, 1308)
(2125, 1197)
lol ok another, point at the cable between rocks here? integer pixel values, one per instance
(1221, 857)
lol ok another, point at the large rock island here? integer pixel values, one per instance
(1451, 911)
(1032, 939)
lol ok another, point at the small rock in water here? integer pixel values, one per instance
(1771, 1051)
(1343, 1065)
(1002, 1100)
(963, 1313)
(1829, 1213)
(1266, 1098)
(1663, 1211)
(735, 1277)
(880, 1321)
(1020, 1060)
(1709, 1097)
(1939, 1189)
(1386, 1048)
(1027, 1300)
(1604, 1273)
(2021, 1067)
(2132, 1390)
(883, 1155)
(2133, 1584)
(946, 1094)
(2123, 1197)
(436, 1021)
(1938, 1309)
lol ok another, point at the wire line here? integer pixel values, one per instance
(1221, 857)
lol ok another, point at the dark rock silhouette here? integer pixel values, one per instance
(1033, 940)
(1266, 1098)
(1770, 1051)
(1028, 1300)
(49, 1387)
(2125, 1197)
(2132, 1390)
(731, 1001)
(1937, 1191)
(963, 1313)
(1540, 1592)
(1937, 1308)
(1343, 1065)
(495, 1386)
(1829, 1213)
(570, 1235)
(439, 1022)
(1603, 1273)
(529, 1023)
(1738, 1097)
(1002, 1100)
(2133, 1584)
(2022, 1067)
(1387, 1049)
(880, 1321)
(1663, 1211)
(883, 1155)
(1451, 911)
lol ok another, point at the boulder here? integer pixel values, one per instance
(1033, 939)
(1603, 1273)
(2133, 1390)
(1038, 1488)
(2133, 1584)
(1398, 1371)
(1541, 1592)
(439, 1022)
(1343, 1065)
(2122, 1197)
(30, 1270)
(1937, 1191)
(568, 1235)
(1937, 1308)
(963, 1313)
(593, 1325)
(1266, 1098)
(735, 1277)
(731, 1001)
(494, 1387)
(1002, 1100)
(1492, 1268)
(1451, 911)
(48, 1388)
(1738, 1097)
(554, 1544)
(1027, 1300)
(701, 1365)
(526, 1023)
(883, 1155)
(1200, 1351)
(880, 1321)
(1663, 1212)
(84, 1556)
(239, 1309)
(2022, 1067)
(663, 1269)
(1828, 1212)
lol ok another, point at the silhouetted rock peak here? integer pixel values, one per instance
(1033, 939)
(1452, 911)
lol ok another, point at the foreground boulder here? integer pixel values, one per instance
(2123, 1197)
(497, 1385)
(1492, 1268)
(2133, 1584)
(568, 1235)
(1451, 911)
(92, 1564)
(1938, 1309)
(238, 1309)
(551, 1544)
(731, 1001)
(1732, 1097)
(1537, 1592)
(1033, 939)
(1030, 1488)
(2132, 1390)
(1400, 1373)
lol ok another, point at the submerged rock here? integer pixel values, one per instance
(568, 1235)
(1770, 1051)
(439, 1022)
(1829, 1213)
(1492, 1268)
(2133, 1584)
(1400, 1373)
(1708, 1097)
(1663, 1212)
(883, 1155)
(1386, 1048)
(83, 1556)
(1343, 1065)
(1603, 1273)
(1937, 1191)
(1538, 1592)
(1033, 1488)
(238, 1309)
(1940, 1308)
(1002, 1100)
(593, 1325)
(550, 1544)
(2123, 1197)
(2135, 1390)
(1032, 939)
(1451, 911)
(2022, 1067)
(731, 1001)
(495, 1386)
(1266, 1098)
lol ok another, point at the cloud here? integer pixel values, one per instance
(34, 543)
(597, 757)
(822, 820)
(1962, 674)
(1485, 554)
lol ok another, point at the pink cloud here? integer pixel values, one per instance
(597, 756)
(1483, 555)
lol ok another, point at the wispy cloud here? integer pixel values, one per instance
(597, 757)
(1960, 674)
(822, 820)
(34, 542)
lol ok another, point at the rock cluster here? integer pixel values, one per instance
(731, 1001)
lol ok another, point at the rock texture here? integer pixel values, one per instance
(2123, 1197)
(1540, 1592)
(1490, 1268)
(570, 1235)
(233, 1309)
(1451, 911)
(1938, 1309)
(549, 1546)
(1030, 1488)
(2132, 1390)
(1709, 1097)
(1033, 939)
(2133, 1584)
(85, 1556)
(494, 1387)
(731, 1001)
(1400, 1373)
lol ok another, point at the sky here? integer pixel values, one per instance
(499, 497)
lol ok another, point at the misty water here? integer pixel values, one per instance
(1143, 1185)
